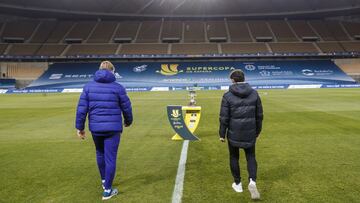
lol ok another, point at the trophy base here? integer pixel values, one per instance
(184, 120)
(177, 137)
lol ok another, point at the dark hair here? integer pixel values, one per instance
(237, 75)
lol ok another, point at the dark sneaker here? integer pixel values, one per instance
(108, 195)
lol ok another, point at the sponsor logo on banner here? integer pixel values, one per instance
(169, 69)
(173, 69)
(160, 89)
(282, 73)
(178, 88)
(341, 86)
(224, 87)
(55, 76)
(304, 86)
(3, 91)
(308, 72)
(269, 87)
(35, 91)
(250, 67)
(268, 67)
(118, 76)
(139, 69)
(137, 89)
(265, 73)
(72, 90)
(78, 76)
(175, 113)
(208, 69)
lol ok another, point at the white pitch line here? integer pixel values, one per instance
(179, 182)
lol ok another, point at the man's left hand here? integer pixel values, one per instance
(222, 139)
(81, 134)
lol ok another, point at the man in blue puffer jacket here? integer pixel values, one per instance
(105, 101)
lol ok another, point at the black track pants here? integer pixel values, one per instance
(234, 162)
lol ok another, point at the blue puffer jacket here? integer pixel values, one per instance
(105, 101)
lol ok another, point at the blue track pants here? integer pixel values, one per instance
(106, 145)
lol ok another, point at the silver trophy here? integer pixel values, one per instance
(192, 95)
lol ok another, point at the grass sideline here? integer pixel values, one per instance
(308, 151)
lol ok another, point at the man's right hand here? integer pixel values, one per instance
(222, 139)
(127, 125)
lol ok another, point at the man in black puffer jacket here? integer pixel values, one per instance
(241, 118)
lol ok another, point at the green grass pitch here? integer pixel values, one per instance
(309, 150)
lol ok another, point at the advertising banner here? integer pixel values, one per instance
(164, 76)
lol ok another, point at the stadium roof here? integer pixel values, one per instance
(180, 8)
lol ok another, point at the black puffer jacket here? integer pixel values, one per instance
(241, 115)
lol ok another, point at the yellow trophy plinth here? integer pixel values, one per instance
(192, 116)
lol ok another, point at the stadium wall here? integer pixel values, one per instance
(213, 75)
(145, 76)
(7, 83)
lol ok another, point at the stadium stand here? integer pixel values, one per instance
(337, 30)
(353, 28)
(85, 49)
(103, 32)
(302, 29)
(327, 47)
(283, 47)
(216, 30)
(194, 32)
(350, 67)
(23, 49)
(59, 32)
(81, 30)
(234, 48)
(282, 31)
(127, 29)
(43, 32)
(51, 38)
(19, 29)
(149, 32)
(51, 50)
(321, 28)
(239, 31)
(25, 71)
(259, 29)
(3, 48)
(329, 30)
(351, 46)
(144, 48)
(172, 30)
(192, 48)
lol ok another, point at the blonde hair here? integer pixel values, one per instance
(107, 65)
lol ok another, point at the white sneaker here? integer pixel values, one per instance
(238, 187)
(253, 190)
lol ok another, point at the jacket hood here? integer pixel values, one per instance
(104, 76)
(242, 90)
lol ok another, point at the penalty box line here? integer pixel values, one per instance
(179, 182)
